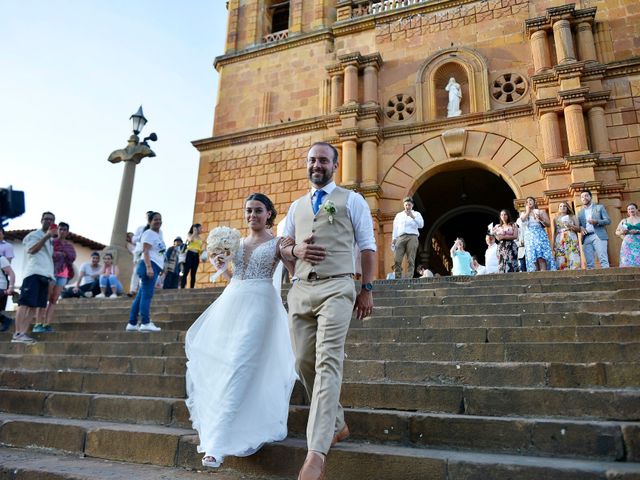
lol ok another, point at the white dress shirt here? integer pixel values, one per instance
(357, 210)
(403, 224)
(491, 259)
(588, 215)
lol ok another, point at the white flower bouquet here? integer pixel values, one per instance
(223, 241)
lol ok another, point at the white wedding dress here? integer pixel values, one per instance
(240, 368)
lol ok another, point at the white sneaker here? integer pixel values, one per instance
(113, 295)
(88, 294)
(22, 338)
(131, 328)
(149, 327)
(101, 295)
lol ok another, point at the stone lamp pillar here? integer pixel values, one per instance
(131, 155)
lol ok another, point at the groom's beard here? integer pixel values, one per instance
(320, 178)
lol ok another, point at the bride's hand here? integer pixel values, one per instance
(219, 262)
(286, 242)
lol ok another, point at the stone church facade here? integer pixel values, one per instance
(550, 108)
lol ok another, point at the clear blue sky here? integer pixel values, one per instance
(72, 72)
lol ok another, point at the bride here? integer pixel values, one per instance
(240, 368)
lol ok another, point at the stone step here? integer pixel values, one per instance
(513, 308)
(532, 334)
(31, 464)
(604, 440)
(171, 447)
(517, 374)
(497, 334)
(605, 403)
(572, 352)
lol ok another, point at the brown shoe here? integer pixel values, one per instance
(341, 435)
(313, 467)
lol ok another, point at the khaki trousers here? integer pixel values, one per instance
(319, 317)
(405, 245)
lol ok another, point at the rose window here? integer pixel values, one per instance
(508, 88)
(400, 107)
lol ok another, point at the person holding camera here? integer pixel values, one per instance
(404, 239)
(462, 261)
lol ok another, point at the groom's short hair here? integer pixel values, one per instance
(333, 149)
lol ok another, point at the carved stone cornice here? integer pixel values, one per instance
(551, 168)
(575, 95)
(546, 105)
(579, 187)
(559, 194)
(582, 160)
(262, 133)
(461, 121)
(570, 70)
(594, 70)
(595, 99)
(360, 111)
(534, 24)
(606, 163)
(627, 67)
(612, 190)
(269, 48)
(334, 69)
(374, 190)
(562, 12)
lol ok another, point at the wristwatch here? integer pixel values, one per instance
(367, 286)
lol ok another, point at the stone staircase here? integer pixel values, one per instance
(519, 376)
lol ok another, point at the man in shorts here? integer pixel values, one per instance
(38, 272)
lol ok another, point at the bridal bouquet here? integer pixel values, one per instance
(223, 241)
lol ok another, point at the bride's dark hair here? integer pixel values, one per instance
(266, 201)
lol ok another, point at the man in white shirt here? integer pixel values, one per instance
(404, 239)
(6, 249)
(491, 255)
(7, 282)
(88, 284)
(38, 273)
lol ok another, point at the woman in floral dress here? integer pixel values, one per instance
(566, 249)
(629, 231)
(507, 235)
(536, 241)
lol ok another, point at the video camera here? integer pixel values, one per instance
(11, 204)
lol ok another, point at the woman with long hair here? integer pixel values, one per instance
(629, 230)
(148, 269)
(506, 234)
(566, 248)
(536, 241)
(194, 248)
(240, 368)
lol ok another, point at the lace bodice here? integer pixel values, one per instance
(258, 264)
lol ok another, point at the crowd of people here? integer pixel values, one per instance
(524, 246)
(50, 273)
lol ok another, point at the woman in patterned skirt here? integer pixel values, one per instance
(629, 231)
(506, 234)
(566, 248)
(536, 241)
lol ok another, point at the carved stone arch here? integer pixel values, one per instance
(436, 70)
(506, 158)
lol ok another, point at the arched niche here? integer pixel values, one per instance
(469, 69)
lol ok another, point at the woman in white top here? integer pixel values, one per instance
(148, 269)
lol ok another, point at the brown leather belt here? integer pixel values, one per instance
(313, 276)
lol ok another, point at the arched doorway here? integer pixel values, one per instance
(459, 202)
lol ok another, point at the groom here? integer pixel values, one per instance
(326, 224)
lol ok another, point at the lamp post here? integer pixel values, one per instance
(131, 155)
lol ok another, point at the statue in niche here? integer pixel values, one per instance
(455, 97)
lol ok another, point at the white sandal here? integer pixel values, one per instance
(211, 464)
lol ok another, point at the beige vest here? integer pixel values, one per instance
(337, 237)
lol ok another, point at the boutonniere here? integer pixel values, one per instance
(330, 208)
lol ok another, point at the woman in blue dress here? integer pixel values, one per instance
(536, 241)
(462, 261)
(629, 231)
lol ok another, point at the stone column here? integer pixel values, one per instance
(586, 43)
(551, 139)
(598, 128)
(337, 90)
(370, 84)
(349, 162)
(576, 131)
(350, 84)
(540, 51)
(564, 42)
(370, 162)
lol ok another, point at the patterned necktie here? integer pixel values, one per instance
(318, 200)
